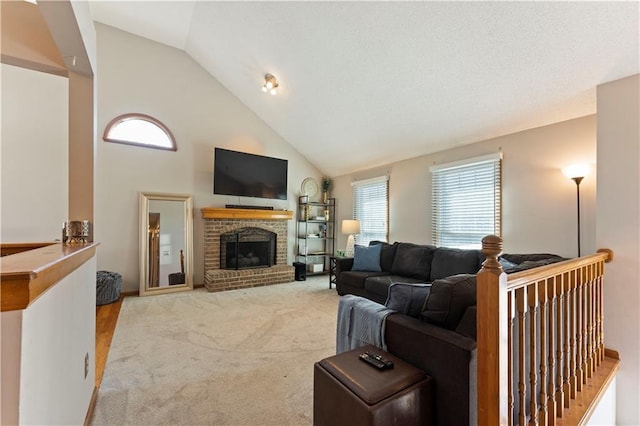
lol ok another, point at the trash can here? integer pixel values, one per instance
(108, 286)
(301, 271)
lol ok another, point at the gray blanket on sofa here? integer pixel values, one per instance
(360, 323)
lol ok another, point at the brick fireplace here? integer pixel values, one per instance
(218, 221)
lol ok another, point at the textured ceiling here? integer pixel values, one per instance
(366, 84)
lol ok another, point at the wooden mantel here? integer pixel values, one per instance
(224, 213)
(28, 274)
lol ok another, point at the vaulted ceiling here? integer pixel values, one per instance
(364, 84)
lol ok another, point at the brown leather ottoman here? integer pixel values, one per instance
(348, 391)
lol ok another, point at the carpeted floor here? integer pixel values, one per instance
(241, 357)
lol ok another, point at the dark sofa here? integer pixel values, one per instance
(434, 328)
(405, 263)
(413, 263)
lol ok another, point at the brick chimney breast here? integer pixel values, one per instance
(217, 279)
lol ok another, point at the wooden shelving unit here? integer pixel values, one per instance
(315, 233)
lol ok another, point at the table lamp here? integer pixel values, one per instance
(350, 227)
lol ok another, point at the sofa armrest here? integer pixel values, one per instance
(448, 357)
(343, 264)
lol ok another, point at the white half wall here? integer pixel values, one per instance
(58, 331)
(139, 75)
(618, 228)
(605, 413)
(34, 154)
(10, 344)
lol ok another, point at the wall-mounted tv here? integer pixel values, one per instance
(249, 175)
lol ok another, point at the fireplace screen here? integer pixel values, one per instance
(247, 248)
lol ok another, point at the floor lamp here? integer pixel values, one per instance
(577, 172)
(350, 227)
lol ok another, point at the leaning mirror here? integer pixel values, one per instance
(166, 252)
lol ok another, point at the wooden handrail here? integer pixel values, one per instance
(519, 279)
(540, 339)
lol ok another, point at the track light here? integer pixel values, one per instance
(270, 84)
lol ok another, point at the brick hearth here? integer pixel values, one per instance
(218, 221)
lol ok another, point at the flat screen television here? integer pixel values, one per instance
(249, 175)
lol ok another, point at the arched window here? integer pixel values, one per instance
(139, 130)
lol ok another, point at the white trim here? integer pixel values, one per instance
(371, 180)
(475, 160)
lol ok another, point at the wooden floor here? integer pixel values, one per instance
(106, 319)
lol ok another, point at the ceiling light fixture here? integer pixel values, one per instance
(270, 84)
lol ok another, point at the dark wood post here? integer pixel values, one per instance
(492, 322)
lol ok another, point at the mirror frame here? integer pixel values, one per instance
(145, 198)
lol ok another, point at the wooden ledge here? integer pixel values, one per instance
(28, 274)
(583, 406)
(13, 248)
(224, 213)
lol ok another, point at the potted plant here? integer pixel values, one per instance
(326, 186)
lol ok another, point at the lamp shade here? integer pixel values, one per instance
(576, 170)
(350, 227)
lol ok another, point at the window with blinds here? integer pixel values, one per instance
(371, 208)
(466, 200)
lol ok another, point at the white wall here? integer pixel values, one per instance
(11, 326)
(58, 329)
(138, 75)
(84, 20)
(34, 151)
(43, 354)
(605, 412)
(539, 202)
(618, 228)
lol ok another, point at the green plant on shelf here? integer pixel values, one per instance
(327, 183)
(326, 186)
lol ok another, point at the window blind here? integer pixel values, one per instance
(371, 208)
(466, 201)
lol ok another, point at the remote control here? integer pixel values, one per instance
(377, 361)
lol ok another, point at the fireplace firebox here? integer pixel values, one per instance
(247, 248)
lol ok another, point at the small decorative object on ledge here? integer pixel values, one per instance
(76, 231)
(326, 186)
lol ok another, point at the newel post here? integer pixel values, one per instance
(492, 335)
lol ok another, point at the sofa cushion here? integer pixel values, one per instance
(387, 255)
(506, 265)
(519, 258)
(367, 258)
(528, 264)
(343, 264)
(413, 261)
(407, 298)
(511, 262)
(357, 278)
(448, 300)
(450, 261)
(467, 325)
(379, 284)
